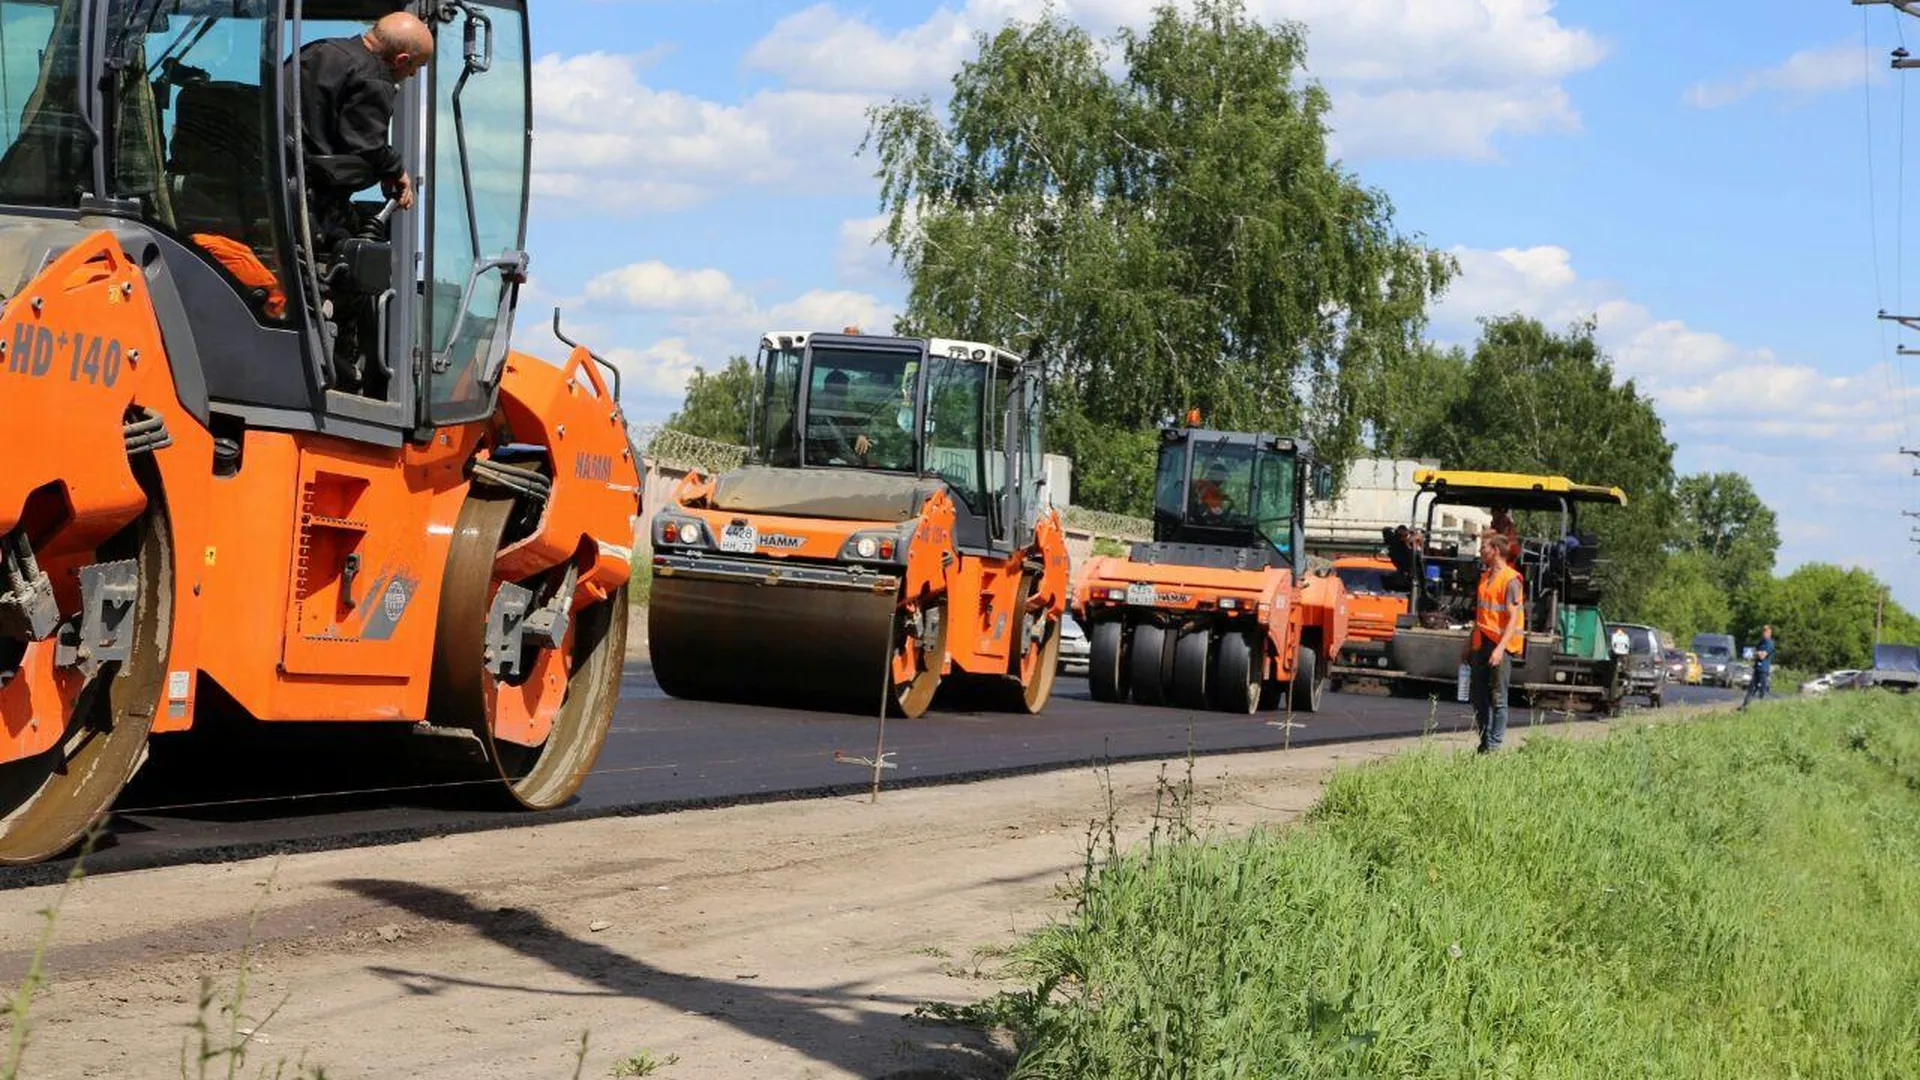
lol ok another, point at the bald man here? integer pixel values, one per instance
(348, 87)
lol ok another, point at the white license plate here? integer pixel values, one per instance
(742, 539)
(1140, 593)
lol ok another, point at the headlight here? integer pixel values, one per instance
(1228, 603)
(883, 547)
(690, 532)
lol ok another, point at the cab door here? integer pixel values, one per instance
(479, 138)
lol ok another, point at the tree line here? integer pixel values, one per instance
(1156, 218)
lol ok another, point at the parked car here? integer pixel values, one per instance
(1646, 672)
(1740, 674)
(1831, 680)
(1694, 671)
(1075, 651)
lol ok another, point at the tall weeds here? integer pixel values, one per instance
(1731, 898)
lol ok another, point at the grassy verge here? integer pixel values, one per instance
(1729, 898)
(640, 584)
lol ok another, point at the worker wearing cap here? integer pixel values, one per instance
(1499, 635)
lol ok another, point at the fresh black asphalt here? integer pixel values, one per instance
(192, 805)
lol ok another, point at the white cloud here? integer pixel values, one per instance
(608, 140)
(1441, 77)
(655, 286)
(1815, 442)
(660, 370)
(1809, 71)
(708, 317)
(862, 257)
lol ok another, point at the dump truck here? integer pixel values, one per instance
(1218, 610)
(890, 532)
(197, 521)
(1567, 660)
(1377, 594)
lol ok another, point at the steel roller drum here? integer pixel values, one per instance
(746, 641)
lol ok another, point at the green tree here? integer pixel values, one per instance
(1169, 236)
(717, 405)
(1721, 518)
(1530, 400)
(1686, 599)
(1824, 616)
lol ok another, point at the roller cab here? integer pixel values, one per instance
(890, 533)
(1219, 611)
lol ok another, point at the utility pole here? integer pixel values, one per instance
(1901, 61)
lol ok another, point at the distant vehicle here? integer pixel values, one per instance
(1646, 672)
(1716, 652)
(1676, 662)
(1376, 598)
(1074, 647)
(1694, 671)
(1740, 674)
(1830, 681)
(1896, 667)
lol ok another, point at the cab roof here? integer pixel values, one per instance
(1521, 491)
(972, 350)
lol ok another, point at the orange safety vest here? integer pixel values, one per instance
(1490, 614)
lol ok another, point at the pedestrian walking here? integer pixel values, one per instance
(1761, 684)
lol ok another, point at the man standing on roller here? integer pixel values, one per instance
(348, 87)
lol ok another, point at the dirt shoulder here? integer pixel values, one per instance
(784, 940)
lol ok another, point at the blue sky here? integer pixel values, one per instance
(1710, 180)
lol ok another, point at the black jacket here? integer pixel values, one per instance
(347, 97)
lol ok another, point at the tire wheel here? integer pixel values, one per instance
(1307, 686)
(925, 659)
(1236, 673)
(1149, 664)
(1192, 668)
(1654, 700)
(1107, 673)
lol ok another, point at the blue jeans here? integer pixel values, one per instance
(1760, 686)
(1487, 690)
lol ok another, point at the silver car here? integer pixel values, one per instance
(1075, 650)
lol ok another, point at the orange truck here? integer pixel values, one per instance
(320, 490)
(1219, 611)
(1376, 599)
(889, 534)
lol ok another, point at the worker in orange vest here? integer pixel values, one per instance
(1499, 635)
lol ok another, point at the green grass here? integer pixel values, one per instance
(1728, 898)
(640, 583)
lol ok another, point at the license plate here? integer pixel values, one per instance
(1140, 593)
(741, 539)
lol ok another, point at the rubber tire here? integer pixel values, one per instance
(1654, 700)
(1237, 669)
(1307, 686)
(1193, 668)
(1107, 675)
(1148, 664)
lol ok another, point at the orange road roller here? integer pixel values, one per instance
(1219, 611)
(890, 532)
(263, 471)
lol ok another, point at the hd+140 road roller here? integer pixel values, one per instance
(258, 475)
(1219, 611)
(890, 531)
